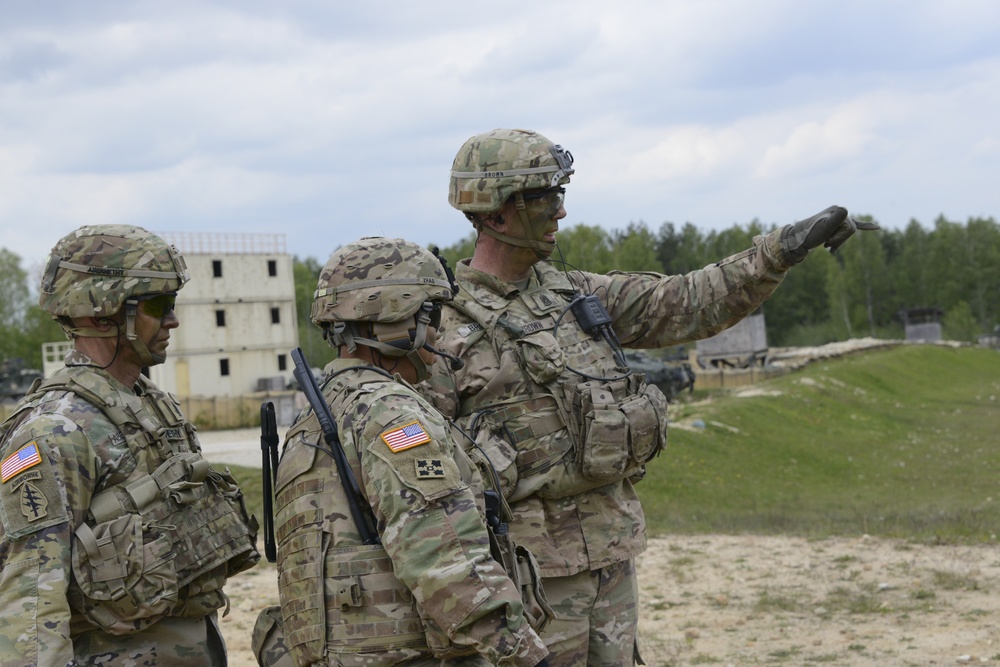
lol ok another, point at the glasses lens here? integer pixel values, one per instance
(547, 202)
(158, 306)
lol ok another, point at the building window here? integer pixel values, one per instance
(220, 318)
(276, 316)
(282, 362)
(223, 367)
(217, 268)
(272, 267)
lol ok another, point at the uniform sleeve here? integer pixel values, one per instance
(653, 310)
(432, 529)
(41, 502)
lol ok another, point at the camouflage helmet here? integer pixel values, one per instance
(92, 271)
(492, 166)
(377, 279)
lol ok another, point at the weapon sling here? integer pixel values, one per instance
(357, 503)
(269, 472)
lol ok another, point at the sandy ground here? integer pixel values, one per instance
(748, 600)
(723, 600)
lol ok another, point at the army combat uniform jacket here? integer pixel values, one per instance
(431, 590)
(116, 536)
(578, 428)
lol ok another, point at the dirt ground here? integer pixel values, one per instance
(734, 601)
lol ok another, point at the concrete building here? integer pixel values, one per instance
(238, 320)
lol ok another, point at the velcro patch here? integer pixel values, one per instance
(20, 461)
(34, 505)
(429, 468)
(405, 437)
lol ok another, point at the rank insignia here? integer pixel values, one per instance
(404, 437)
(429, 469)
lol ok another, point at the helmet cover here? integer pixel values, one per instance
(492, 166)
(378, 279)
(92, 271)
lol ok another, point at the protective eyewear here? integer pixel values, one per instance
(547, 201)
(157, 305)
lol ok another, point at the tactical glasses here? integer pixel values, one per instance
(157, 305)
(547, 201)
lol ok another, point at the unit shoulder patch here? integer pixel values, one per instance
(405, 437)
(429, 468)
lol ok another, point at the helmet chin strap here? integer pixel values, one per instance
(145, 356)
(141, 349)
(542, 249)
(412, 353)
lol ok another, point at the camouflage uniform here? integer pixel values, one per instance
(575, 428)
(431, 593)
(574, 504)
(432, 590)
(116, 536)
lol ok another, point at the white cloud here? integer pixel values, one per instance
(323, 119)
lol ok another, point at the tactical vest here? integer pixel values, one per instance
(576, 420)
(163, 542)
(341, 602)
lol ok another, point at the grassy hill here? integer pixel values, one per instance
(902, 442)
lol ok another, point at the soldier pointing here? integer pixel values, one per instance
(544, 371)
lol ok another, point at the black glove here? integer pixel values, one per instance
(829, 228)
(543, 663)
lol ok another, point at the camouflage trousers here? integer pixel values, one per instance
(596, 616)
(172, 641)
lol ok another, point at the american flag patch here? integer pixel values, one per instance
(404, 437)
(20, 461)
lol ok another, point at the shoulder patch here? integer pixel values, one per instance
(405, 437)
(429, 469)
(20, 461)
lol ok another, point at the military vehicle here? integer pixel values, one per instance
(672, 374)
(15, 379)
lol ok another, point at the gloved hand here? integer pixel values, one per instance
(543, 663)
(829, 228)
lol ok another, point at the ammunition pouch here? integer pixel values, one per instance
(622, 425)
(155, 537)
(602, 431)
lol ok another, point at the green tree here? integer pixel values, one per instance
(586, 247)
(635, 249)
(960, 324)
(460, 250)
(306, 274)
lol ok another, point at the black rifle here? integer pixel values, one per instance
(355, 500)
(269, 471)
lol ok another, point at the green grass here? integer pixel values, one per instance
(902, 442)
(250, 483)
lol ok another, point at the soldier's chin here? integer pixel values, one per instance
(544, 249)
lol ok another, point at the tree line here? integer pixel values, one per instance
(860, 291)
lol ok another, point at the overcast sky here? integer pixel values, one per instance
(327, 120)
